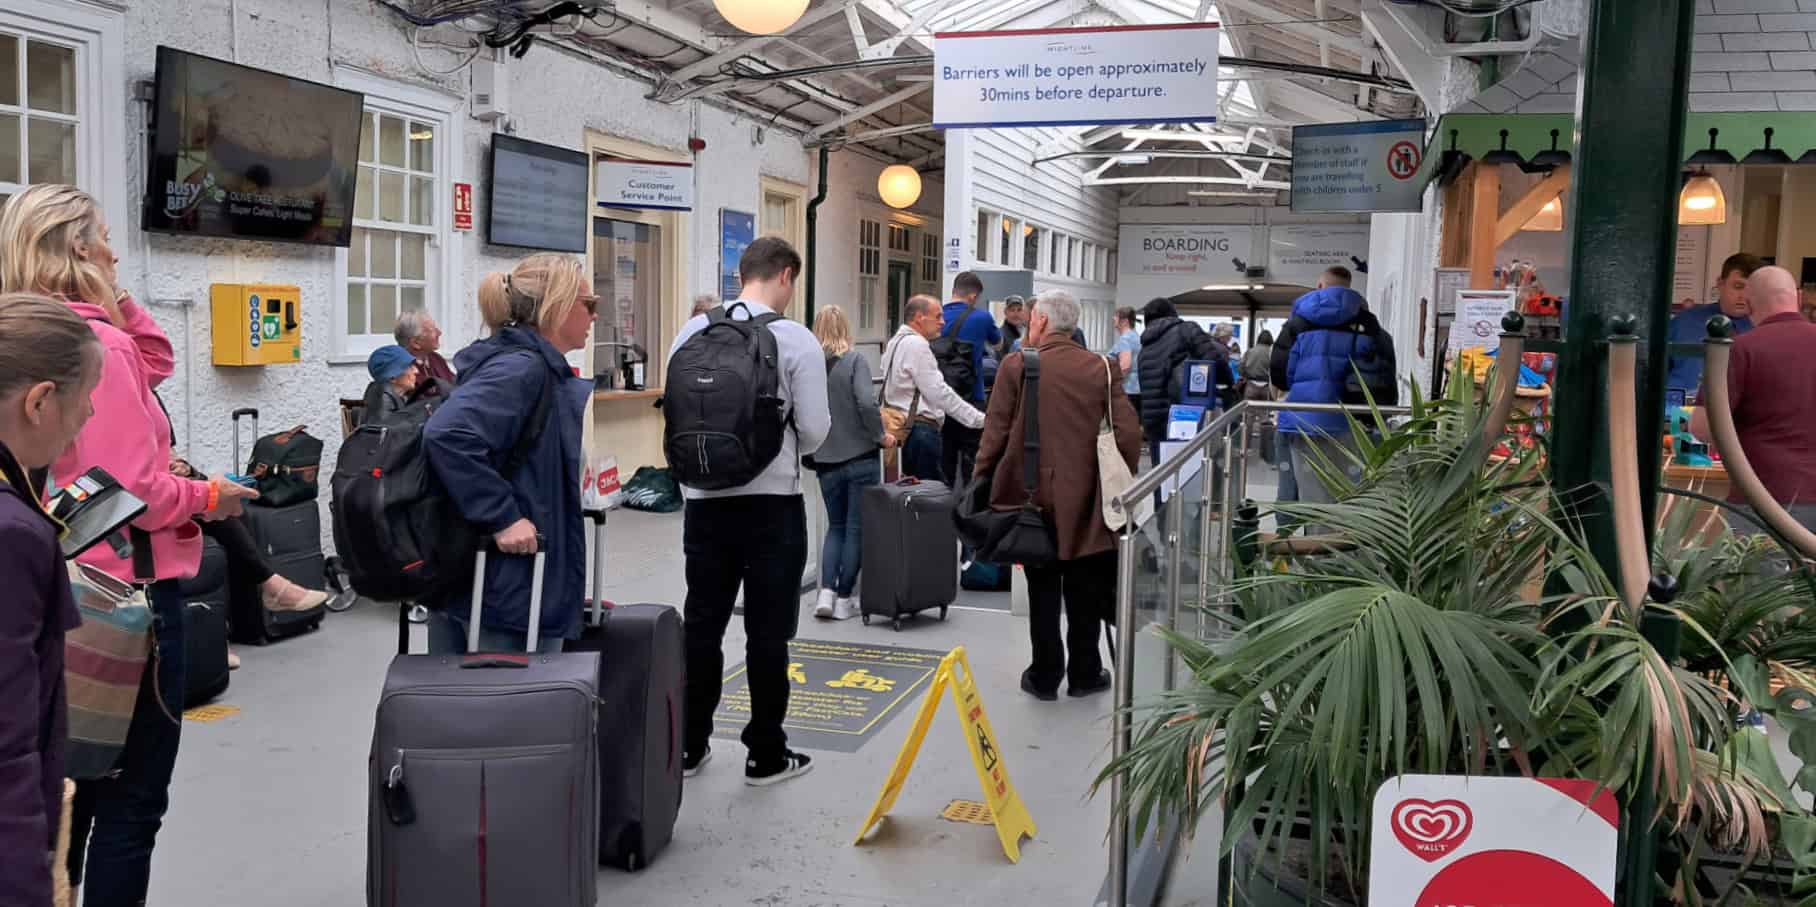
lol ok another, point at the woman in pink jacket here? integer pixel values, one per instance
(53, 241)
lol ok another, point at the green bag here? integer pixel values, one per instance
(652, 489)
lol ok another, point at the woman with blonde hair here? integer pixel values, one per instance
(49, 363)
(847, 462)
(506, 444)
(54, 242)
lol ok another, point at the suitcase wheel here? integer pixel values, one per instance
(866, 620)
(898, 623)
(942, 612)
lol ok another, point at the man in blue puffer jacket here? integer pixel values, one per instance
(1331, 348)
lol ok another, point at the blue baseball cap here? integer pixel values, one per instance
(389, 361)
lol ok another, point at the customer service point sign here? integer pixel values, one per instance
(1454, 841)
(1007, 812)
(1075, 76)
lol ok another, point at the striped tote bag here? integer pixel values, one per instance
(103, 662)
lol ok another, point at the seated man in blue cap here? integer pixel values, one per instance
(394, 379)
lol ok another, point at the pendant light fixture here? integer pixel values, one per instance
(1549, 219)
(761, 17)
(899, 185)
(1502, 156)
(1551, 157)
(1701, 203)
(1711, 155)
(1767, 155)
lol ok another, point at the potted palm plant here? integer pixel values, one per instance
(1430, 645)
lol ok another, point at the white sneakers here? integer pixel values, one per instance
(829, 606)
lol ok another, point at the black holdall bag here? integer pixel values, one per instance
(723, 414)
(1019, 536)
(955, 356)
(285, 465)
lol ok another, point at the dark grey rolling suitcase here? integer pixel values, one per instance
(205, 597)
(640, 665)
(290, 538)
(910, 550)
(484, 777)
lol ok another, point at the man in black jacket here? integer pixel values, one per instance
(1165, 346)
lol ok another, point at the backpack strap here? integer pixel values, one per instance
(1030, 421)
(960, 323)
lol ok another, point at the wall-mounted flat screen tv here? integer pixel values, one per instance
(539, 196)
(242, 152)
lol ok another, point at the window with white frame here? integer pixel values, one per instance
(1110, 268)
(1006, 248)
(930, 258)
(1086, 263)
(1100, 259)
(1071, 257)
(983, 235)
(870, 271)
(1057, 255)
(40, 113)
(901, 238)
(1031, 237)
(401, 213)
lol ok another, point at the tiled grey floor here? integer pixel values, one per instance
(268, 805)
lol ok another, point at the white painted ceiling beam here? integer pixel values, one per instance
(882, 103)
(1258, 14)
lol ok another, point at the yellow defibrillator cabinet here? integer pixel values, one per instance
(257, 324)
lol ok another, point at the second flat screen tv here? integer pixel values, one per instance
(539, 196)
(242, 152)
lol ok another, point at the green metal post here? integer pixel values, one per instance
(1624, 189)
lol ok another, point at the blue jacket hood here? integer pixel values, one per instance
(508, 338)
(1329, 307)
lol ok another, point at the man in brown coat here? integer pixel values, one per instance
(1076, 387)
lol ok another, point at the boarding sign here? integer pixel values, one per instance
(1074, 76)
(1440, 840)
(626, 183)
(1365, 167)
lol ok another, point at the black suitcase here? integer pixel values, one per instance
(640, 700)
(910, 550)
(290, 538)
(205, 598)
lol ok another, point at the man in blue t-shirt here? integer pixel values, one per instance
(959, 444)
(1691, 324)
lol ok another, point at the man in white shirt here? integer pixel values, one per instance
(912, 383)
(754, 535)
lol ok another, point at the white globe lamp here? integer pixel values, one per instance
(899, 185)
(761, 17)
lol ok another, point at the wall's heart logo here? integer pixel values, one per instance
(1432, 830)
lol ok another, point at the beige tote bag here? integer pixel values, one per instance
(1113, 476)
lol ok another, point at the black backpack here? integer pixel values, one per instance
(955, 356)
(398, 533)
(723, 414)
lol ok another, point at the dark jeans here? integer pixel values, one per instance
(958, 452)
(759, 541)
(1087, 587)
(114, 822)
(842, 555)
(921, 455)
(243, 559)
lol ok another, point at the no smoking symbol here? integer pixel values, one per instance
(1403, 160)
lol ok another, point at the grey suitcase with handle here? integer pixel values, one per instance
(484, 777)
(910, 550)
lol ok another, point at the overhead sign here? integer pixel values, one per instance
(1167, 259)
(627, 183)
(1073, 76)
(839, 693)
(1369, 166)
(1301, 253)
(1009, 814)
(1450, 839)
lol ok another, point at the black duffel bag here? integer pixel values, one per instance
(1023, 535)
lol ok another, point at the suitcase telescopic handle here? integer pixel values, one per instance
(237, 415)
(597, 516)
(476, 659)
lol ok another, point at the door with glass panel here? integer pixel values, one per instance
(627, 278)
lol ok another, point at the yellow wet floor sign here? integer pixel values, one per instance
(1010, 816)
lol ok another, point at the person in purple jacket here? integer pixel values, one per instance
(49, 364)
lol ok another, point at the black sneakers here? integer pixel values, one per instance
(1028, 686)
(791, 765)
(691, 763)
(1102, 684)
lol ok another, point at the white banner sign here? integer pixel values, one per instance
(627, 183)
(1300, 253)
(1168, 259)
(1073, 76)
(1478, 319)
(1449, 839)
(1369, 166)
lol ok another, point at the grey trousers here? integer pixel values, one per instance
(1308, 452)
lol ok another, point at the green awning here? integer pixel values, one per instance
(1530, 133)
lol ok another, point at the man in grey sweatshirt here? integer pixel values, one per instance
(754, 535)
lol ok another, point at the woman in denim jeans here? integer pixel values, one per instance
(847, 462)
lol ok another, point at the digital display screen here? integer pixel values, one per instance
(539, 196)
